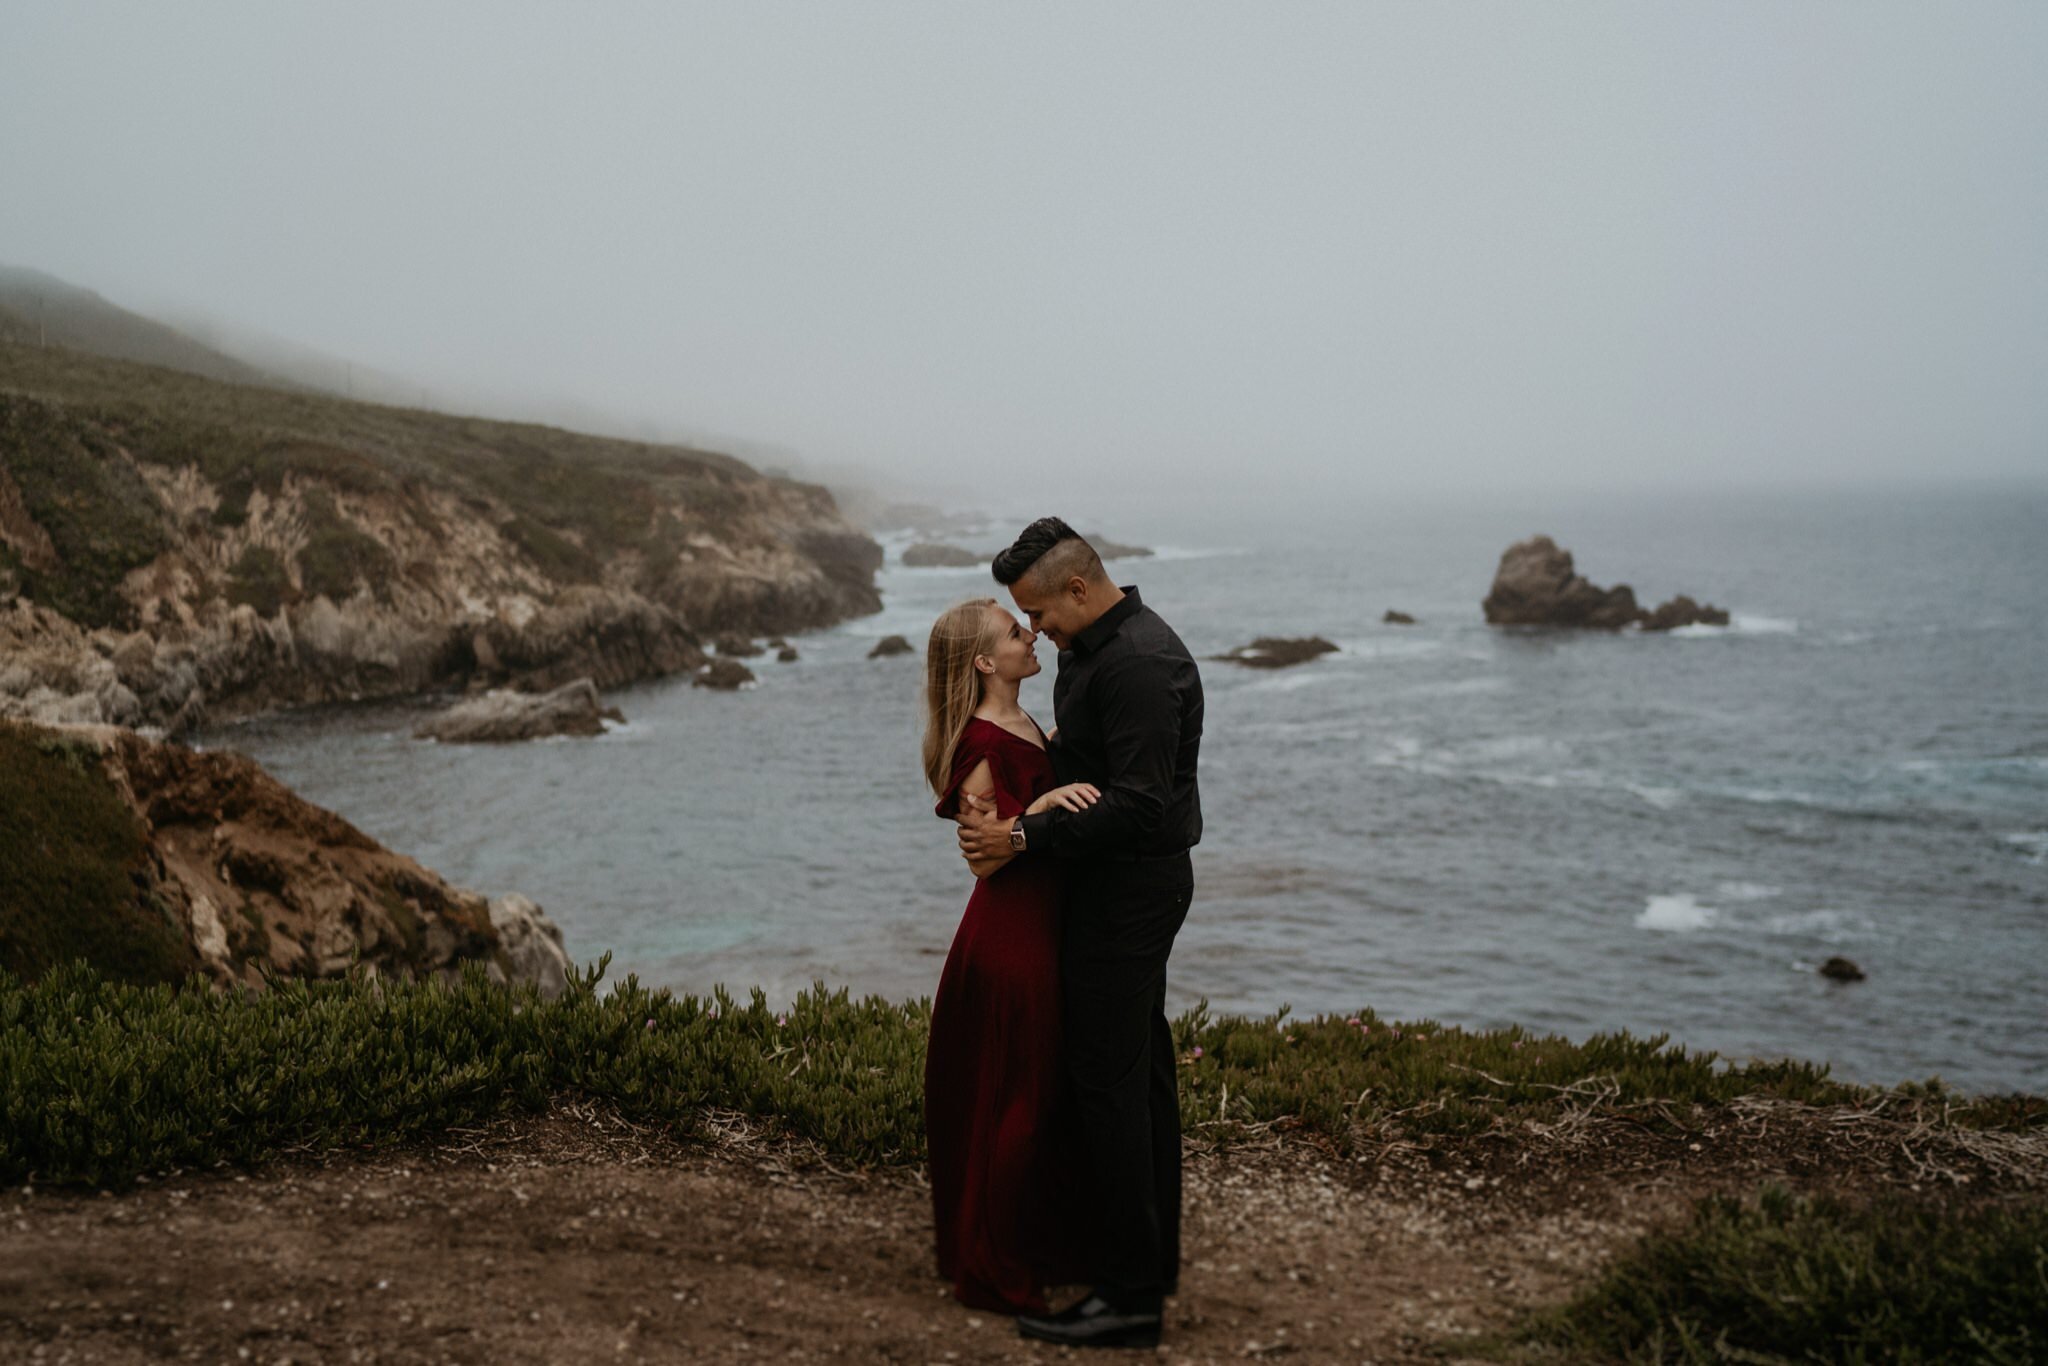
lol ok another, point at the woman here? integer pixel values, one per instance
(1003, 1177)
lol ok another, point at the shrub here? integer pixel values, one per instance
(1786, 1279)
(338, 555)
(101, 517)
(259, 580)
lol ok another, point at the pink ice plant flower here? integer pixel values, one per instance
(781, 1020)
(1198, 1050)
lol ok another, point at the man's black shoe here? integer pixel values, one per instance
(1094, 1322)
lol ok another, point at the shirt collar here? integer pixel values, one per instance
(1099, 631)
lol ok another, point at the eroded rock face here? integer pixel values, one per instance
(933, 555)
(1537, 585)
(260, 880)
(1278, 652)
(502, 715)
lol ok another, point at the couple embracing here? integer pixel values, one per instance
(1050, 1102)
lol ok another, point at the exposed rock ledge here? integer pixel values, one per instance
(229, 875)
(1537, 585)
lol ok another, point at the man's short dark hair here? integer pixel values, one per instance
(1047, 543)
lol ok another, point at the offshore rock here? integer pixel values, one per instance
(1683, 611)
(1277, 652)
(1536, 585)
(726, 675)
(933, 555)
(251, 880)
(502, 715)
(738, 646)
(1841, 970)
(888, 647)
(1116, 550)
(1394, 618)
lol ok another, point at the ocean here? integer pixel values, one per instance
(1573, 832)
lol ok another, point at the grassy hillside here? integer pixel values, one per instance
(38, 309)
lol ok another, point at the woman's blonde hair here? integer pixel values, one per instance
(952, 685)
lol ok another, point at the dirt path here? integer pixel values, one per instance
(577, 1238)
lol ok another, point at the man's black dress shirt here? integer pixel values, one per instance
(1128, 703)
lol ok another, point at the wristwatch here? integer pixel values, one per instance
(1017, 835)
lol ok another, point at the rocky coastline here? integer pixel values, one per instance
(178, 551)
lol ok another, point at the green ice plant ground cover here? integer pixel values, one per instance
(1783, 1279)
(102, 1081)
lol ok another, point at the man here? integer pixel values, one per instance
(1127, 708)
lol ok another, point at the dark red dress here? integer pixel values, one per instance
(1003, 1162)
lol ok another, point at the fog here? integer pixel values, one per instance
(1207, 253)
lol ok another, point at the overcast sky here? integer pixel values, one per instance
(1343, 247)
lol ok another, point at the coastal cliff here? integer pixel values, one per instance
(175, 548)
(155, 863)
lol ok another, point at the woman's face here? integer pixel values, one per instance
(1013, 655)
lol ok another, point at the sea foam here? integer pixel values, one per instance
(1680, 912)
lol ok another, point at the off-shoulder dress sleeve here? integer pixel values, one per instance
(975, 745)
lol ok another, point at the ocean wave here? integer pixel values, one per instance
(1189, 552)
(2032, 845)
(1740, 624)
(1678, 913)
(1391, 647)
(1685, 913)
(1477, 761)
(1827, 924)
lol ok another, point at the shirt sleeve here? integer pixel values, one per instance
(1139, 707)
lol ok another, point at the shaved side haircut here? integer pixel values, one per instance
(1049, 552)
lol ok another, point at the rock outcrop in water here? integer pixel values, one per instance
(155, 862)
(1116, 550)
(723, 675)
(176, 549)
(888, 647)
(502, 715)
(933, 555)
(1278, 652)
(1537, 585)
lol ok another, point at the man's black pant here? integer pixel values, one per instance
(1117, 933)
